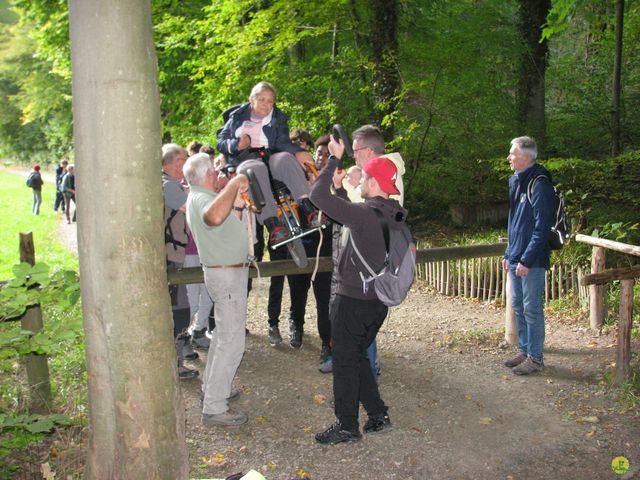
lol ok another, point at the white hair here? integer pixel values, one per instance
(170, 151)
(259, 87)
(527, 146)
(196, 168)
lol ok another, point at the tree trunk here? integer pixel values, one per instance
(530, 95)
(617, 67)
(386, 82)
(136, 410)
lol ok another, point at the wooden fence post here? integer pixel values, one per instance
(36, 365)
(624, 331)
(597, 293)
(510, 330)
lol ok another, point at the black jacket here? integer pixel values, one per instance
(364, 226)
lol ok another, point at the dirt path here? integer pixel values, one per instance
(457, 412)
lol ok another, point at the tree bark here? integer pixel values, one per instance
(386, 82)
(530, 95)
(617, 68)
(136, 412)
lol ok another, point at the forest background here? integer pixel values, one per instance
(449, 82)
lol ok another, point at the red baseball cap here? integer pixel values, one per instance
(36, 167)
(385, 173)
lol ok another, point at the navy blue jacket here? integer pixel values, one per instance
(530, 222)
(276, 131)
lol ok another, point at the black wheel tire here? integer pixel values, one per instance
(296, 250)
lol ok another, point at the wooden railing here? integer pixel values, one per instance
(597, 281)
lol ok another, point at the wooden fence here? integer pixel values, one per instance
(484, 279)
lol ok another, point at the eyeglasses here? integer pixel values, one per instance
(358, 149)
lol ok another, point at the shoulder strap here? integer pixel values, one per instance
(385, 233)
(385, 230)
(532, 183)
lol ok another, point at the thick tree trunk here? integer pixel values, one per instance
(530, 96)
(136, 411)
(386, 82)
(617, 68)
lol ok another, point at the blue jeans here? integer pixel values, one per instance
(527, 296)
(37, 200)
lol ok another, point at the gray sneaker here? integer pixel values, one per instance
(516, 360)
(199, 339)
(275, 338)
(527, 367)
(225, 419)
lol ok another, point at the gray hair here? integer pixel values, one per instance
(170, 151)
(527, 146)
(259, 87)
(370, 136)
(196, 168)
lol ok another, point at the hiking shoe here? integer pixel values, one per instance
(527, 367)
(275, 338)
(278, 235)
(378, 424)
(199, 339)
(336, 433)
(224, 419)
(187, 352)
(327, 365)
(295, 335)
(325, 353)
(185, 373)
(516, 360)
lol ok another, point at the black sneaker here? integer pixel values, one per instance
(295, 335)
(378, 424)
(336, 433)
(296, 339)
(275, 338)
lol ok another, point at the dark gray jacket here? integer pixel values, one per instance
(364, 226)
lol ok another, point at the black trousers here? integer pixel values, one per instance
(59, 202)
(354, 325)
(299, 289)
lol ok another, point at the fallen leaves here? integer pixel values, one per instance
(485, 421)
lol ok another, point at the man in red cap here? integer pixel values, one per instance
(357, 314)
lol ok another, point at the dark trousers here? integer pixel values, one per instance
(274, 306)
(354, 325)
(299, 287)
(59, 202)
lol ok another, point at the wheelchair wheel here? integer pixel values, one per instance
(296, 250)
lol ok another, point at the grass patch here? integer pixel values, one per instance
(26, 440)
(16, 217)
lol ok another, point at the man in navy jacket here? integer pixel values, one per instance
(531, 213)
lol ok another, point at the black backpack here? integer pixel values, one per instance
(393, 281)
(31, 180)
(561, 227)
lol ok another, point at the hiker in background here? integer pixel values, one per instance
(176, 237)
(357, 314)
(527, 255)
(68, 188)
(61, 169)
(34, 180)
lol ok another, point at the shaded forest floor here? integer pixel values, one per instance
(457, 412)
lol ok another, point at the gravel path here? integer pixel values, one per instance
(457, 412)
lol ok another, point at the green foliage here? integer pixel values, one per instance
(18, 431)
(35, 285)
